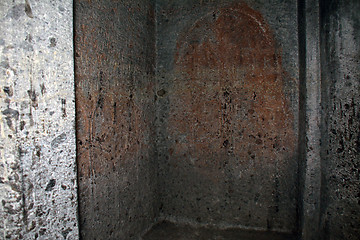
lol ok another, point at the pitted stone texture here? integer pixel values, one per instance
(37, 170)
(167, 230)
(309, 119)
(115, 60)
(341, 121)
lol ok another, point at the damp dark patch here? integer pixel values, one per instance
(8, 209)
(15, 187)
(43, 88)
(226, 143)
(63, 108)
(28, 10)
(161, 92)
(10, 114)
(29, 38)
(66, 232)
(58, 140)
(52, 42)
(50, 186)
(42, 231)
(22, 152)
(38, 151)
(22, 125)
(8, 91)
(100, 102)
(33, 97)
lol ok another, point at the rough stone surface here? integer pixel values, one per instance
(340, 35)
(166, 231)
(115, 60)
(251, 119)
(309, 119)
(37, 121)
(227, 113)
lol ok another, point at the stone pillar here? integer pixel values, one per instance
(340, 51)
(310, 118)
(38, 189)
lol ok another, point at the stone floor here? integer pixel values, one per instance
(170, 231)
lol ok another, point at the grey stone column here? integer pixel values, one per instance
(340, 56)
(310, 118)
(37, 121)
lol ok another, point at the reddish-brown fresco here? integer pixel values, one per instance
(232, 139)
(229, 96)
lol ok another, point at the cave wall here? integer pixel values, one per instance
(227, 126)
(38, 187)
(340, 56)
(114, 77)
(250, 120)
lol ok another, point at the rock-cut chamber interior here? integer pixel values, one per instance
(181, 120)
(197, 113)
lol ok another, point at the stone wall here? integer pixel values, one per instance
(37, 121)
(250, 120)
(340, 45)
(227, 75)
(114, 67)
